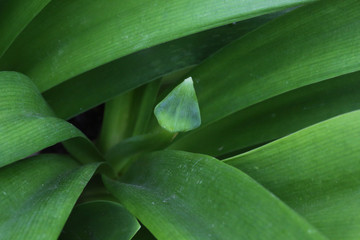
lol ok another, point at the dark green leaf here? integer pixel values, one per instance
(77, 41)
(179, 195)
(150, 64)
(316, 171)
(101, 220)
(276, 117)
(308, 45)
(27, 124)
(14, 16)
(37, 195)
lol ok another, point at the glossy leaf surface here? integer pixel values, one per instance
(77, 41)
(276, 117)
(308, 45)
(150, 64)
(179, 195)
(37, 195)
(316, 171)
(27, 124)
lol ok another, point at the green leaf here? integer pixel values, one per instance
(308, 45)
(14, 16)
(101, 220)
(276, 117)
(27, 124)
(179, 195)
(37, 195)
(316, 171)
(77, 41)
(150, 63)
(179, 110)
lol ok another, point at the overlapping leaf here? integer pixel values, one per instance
(70, 42)
(179, 195)
(27, 124)
(276, 117)
(14, 16)
(316, 171)
(37, 195)
(150, 64)
(308, 45)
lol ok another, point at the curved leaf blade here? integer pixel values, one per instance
(75, 43)
(101, 220)
(275, 117)
(308, 45)
(37, 195)
(316, 172)
(14, 17)
(26, 118)
(151, 64)
(182, 195)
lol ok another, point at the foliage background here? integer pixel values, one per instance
(276, 155)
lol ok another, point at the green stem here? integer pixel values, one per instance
(120, 155)
(146, 108)
(115, 121)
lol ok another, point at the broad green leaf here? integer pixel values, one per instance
(308, 45)
(179, 195)
(150, 64)
(179, 110)
(81, 35)
(316, 171)
(276, 117)
(101, 220)
(27, 124)
(14, 16)
(37, 195)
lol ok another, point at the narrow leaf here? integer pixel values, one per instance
(27, 124)
(308, 45)
(179, 195)
(276, 117)
(81, 35)
(151, 64)
(316, 171)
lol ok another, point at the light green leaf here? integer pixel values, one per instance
(276, 117)
(27, 124)
(81, 35)
(316, 171)
(179, 195)
(179, 110)
(150, 64)
(308, 45)
(37, 195)
(101, 220)
(14, 16)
